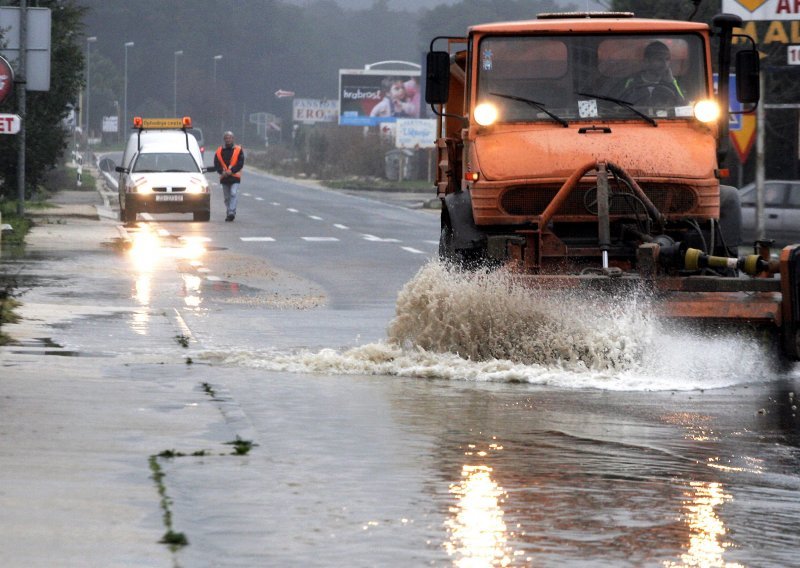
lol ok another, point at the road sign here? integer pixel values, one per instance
(6, 79)
(741, 127)
(281, 94)
(10, 123)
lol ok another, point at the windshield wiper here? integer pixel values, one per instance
(620, 102)
(535, 104)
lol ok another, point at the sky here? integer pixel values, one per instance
(414, 5)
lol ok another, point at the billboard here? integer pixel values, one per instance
(750, 10)
(310, 111)
(370, 97)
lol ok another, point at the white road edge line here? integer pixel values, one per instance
(413, 250)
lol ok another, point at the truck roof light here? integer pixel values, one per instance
(162, 123)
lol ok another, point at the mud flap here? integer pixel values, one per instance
(790, 290)
(465, 233)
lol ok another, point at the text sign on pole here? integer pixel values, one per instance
(415, 133)
(37, 65)
(10, 123)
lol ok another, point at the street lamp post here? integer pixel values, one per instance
(89, 42)
(125, 98)
(175, 84)
(216, 96)
(216, 58)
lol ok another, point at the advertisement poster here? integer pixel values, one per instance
(371, 97)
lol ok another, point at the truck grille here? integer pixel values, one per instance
(170, 189)
(532, 200)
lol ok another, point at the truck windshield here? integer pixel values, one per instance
(591, 77)
(165, 162)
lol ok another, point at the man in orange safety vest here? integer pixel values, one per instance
(228, 163)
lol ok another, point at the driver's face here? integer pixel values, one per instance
(658, 62)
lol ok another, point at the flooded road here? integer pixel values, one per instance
(408, 415)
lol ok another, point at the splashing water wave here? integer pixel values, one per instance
(486, 326)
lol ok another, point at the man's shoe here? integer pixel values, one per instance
(229, 218)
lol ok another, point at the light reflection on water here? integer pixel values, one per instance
(478, 535)
(707, 532)
(147, 251)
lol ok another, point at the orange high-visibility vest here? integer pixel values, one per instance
(234, 158)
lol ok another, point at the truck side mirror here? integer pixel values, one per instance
(437, 77)
(748, 90)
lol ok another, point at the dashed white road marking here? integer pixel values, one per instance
(291, 210)
(275, 203)
(320, 239)
(413, 250)
(258, 239)
(315, 218)
(432, 242)
(375, 239)
(259, 199)
(247, 194)
(344, 227)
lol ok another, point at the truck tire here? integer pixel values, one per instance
(201, 216)
(730, 218)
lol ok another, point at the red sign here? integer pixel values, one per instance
(10, 123)
(6, 79)
(280, 93)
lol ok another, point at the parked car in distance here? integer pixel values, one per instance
(781, 211)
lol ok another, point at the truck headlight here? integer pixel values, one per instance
(706, 111)
(485, 114)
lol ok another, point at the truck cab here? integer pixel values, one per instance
(564, 142)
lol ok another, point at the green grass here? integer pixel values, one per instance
(21, 225)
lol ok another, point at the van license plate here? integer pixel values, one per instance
(169, 197)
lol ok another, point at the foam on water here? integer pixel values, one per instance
(485, 326)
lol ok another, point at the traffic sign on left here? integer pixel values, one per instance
(10, 123)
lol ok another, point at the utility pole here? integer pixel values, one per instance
(21, 93)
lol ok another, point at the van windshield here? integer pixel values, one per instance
(165, 162)
(591, 77)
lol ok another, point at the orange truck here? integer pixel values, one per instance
(584, 150)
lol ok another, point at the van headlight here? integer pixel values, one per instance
(197, 185)
(141, 185)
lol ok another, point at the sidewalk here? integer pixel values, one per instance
(86, 399)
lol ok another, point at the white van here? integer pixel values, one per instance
(162, 171)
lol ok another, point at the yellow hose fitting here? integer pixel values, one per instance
(692, 259)
(751, 264)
